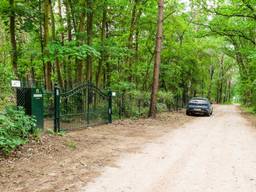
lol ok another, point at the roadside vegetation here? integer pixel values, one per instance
(156, 54)
(15, 129)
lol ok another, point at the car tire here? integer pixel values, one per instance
(208, 114)
(188, 113)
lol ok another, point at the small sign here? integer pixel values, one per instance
(38, 95)
(113, 94)
(16, 83)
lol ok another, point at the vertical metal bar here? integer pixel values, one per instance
(88, 103)
(110, 106)
(56, 108)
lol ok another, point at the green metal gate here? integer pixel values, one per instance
(81, 107)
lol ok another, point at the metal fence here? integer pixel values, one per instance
(48, 109)
(130, 104)
(83, 106)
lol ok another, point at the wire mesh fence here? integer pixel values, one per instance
(85, 105)
(136, 104)
(48, 109)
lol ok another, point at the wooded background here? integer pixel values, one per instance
(208, 46)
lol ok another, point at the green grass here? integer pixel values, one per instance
(249, 109)
(71, 144)
(51, 132)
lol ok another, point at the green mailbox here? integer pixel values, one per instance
(32, 101)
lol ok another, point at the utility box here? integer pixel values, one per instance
(32, 101)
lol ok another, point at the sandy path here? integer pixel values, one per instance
(216, 154)
(66, 163)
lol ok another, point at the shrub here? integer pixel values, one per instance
(135, 103)
(15, 127)
(165, 97)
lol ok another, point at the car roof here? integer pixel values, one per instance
(199, 98)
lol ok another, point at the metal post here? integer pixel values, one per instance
(88, 103)
(110, 106)
(56, 108)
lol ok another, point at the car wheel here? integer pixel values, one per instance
(208, 114)
(188, 113)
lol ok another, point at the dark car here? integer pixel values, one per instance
(200, 106)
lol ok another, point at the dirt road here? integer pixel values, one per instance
(66, 163)
(208, 154)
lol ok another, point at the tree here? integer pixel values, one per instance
(89, 39)
(155, 84)
(13, 37)
(113, 44)
(48, 66)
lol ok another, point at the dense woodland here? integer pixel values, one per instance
(208, 46)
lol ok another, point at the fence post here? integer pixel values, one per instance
(56, 108)
(88, 102)
(110, 106)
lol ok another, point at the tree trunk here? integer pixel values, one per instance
(89, 38)
(14, 57)
(48, 66)
(107, 74)
(61, 20)
(103, 37)
(73, 15)
(57, 63)
(220, 81)
(146, 77)
(69, 31)
(211, 79)
(80, 63)
(133, 25)
(41, 39)
(153, 101)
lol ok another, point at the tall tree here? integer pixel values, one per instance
(153, 101)
(48, 67)
(54, 40)
(89, 38)
(102, 59)
(13, 37)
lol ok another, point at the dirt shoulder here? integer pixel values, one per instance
(249, 116)
(65, 163)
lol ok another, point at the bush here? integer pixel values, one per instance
(135, 103)
(15, 127)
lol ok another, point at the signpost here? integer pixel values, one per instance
(16, 83)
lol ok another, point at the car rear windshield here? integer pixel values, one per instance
(198, 102)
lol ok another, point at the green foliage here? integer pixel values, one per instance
(15, 128)
(235, 22)
(71, 144)
(136, 103)
(5, 76)
(51, 132)
(165, 97)
(249, 109)
(4, 101)
(71, 49)
(205, 48)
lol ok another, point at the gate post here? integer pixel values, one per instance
(88, 102)
(56, 108)
(110, 106)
